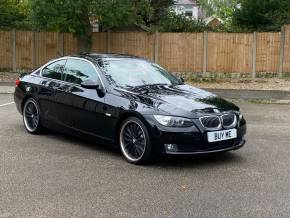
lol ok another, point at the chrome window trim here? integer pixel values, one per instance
(51, 62)
(75, 58)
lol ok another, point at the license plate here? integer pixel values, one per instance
(221, 135)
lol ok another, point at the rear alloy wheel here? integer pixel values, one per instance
(134, 141)
(31, 116)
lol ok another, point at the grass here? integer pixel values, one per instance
(260, 101)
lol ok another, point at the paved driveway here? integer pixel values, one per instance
(54, 175)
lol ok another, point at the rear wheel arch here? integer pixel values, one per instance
(25, 99)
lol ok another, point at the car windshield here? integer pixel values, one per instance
(131, 73)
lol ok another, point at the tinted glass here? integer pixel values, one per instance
(54, 70)
(76, 71)
(135, 72)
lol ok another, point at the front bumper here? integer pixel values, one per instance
(193, 140)
(196, 152)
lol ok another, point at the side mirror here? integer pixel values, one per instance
(181, 79)
(89, 84)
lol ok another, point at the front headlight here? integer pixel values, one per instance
(240, 117)
(173, 121)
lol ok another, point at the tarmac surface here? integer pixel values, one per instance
(55, 175)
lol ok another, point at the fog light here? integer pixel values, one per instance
(171, 147)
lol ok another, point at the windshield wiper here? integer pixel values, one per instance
(151, 85)
(145, 88)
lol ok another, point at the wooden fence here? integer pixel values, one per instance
(179, 52)
(26, 50)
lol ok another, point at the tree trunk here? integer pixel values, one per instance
(84, 42)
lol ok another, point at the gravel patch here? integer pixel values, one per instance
(8, 77)
(253, 84)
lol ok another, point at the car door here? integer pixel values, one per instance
(86, 109)
(50, 81)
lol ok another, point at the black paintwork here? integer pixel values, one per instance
(98, 113)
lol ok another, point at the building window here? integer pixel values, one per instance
(188, 13)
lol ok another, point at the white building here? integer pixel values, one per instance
(189, 8)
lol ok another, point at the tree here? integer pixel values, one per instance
(216, 7)
(13, 14)
(160, 9)
(61, 15)
(74, 15)
(262, 15)
(223, 9)
(115, 13)
(180, 23)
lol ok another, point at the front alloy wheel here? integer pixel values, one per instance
(134, 141)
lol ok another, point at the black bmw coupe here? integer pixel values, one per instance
(130, 103)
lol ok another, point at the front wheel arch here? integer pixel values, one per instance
(125, 116)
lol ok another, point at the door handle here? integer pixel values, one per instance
(59, 89)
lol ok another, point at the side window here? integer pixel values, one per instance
(76, 71)
(54, 70)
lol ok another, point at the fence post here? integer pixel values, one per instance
(109, 41)
(156, 47)
(254, 54)
(61, 44)
(33, 55)
(282, 51)
(205, 41)
(13, 43)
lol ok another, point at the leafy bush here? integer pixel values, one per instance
(262, 15)
(180, 23)
(14, 14)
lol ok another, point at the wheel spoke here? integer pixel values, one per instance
(35, 122)
(137, 130)
(128, 136)
(30, 122)
(134, 128)
(128, 130)
(139, 150)
(29, 109)
(131, 128)
(135, 152)
(129, 145)
(131, 149)
(28, 113)
(140, 133)
(127, 140)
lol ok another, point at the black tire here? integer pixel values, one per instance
(134, 141)
(31, 116)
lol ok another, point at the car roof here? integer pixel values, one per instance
(103, 56)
